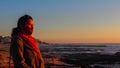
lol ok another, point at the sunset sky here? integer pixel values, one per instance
(65, 21)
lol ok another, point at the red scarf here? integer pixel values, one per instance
(28, 39)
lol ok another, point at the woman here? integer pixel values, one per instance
(24, 49)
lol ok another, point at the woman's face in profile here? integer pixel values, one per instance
(28, 27)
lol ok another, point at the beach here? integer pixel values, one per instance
(4, 56)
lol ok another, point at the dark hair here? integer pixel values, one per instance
(21, 21)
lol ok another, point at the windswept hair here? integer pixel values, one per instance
(21, 21)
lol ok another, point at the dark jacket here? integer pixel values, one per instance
(23, 55)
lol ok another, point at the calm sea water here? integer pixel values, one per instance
(83, 48)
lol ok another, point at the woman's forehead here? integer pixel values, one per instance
(30, 21)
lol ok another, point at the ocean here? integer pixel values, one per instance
(83, 48)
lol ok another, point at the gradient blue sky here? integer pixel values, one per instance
(65, 21)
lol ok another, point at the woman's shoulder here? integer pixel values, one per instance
(16, 39)
(17, 42)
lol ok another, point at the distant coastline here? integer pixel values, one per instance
(1, 44)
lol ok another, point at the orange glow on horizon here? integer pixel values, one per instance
(83, 40)
(100, 34)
